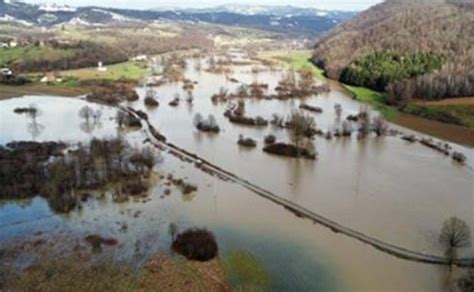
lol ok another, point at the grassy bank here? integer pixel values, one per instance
(128, 70)
(296, 60)
(32, 53)
(376, 99)
(74, 80)
(459, 114)
(41, 89)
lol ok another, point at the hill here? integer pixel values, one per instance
(286, 20)
(419, 48)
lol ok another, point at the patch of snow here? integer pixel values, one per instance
(80, 21)
(115, 16)
(8, 18)
(53, 7)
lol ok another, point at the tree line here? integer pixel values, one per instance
(381, 68)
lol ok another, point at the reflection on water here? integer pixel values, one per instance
(294, 253)
(58, 119)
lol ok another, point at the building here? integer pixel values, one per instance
(50, 78)
(6, 72)
(101, 68)
(140, 58)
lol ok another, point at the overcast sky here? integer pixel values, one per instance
(142, 4)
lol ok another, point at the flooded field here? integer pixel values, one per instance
(387, 188)
(351, 182)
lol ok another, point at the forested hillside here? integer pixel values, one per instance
(419, 48)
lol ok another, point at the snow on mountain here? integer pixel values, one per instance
(245, 9)
(8, 18)
(53, 7)
(115, 16)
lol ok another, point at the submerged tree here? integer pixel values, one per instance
(91, 118)
(301, 126)
(34, 127)
(338, 110)
(379, 126)
(364, 121)
(454, 234)
(86, 113)
(173, 230)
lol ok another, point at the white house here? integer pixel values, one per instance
(101, 68)
(6, 72)
(140, 58)
(49, 78)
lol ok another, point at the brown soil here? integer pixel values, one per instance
(32, 89)
(164, 273)
(457, 134)
(449, 101)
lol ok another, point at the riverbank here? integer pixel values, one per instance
(452, 120)
(296, 60)
(7, 91)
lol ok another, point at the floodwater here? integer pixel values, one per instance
(392, 190)
(384, 187)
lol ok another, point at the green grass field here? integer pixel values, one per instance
(11, 55)
(460, 114)
(375, 99)
(127, 70)
(296, 60)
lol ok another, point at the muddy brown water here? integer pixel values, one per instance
(362, 184)
(391, 190)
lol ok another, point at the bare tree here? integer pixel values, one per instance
(379, 126)
(34, 127)
(197, 119)
(278, 120)
(364, 121)
(97, 115)
(301, 126)
(190, 97)
(454, 234)
(86, 112)
(173, 230)
(338, 110)
(198, 66)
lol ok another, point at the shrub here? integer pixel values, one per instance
(270, 139)
(289, 151)
(247, 142)
(151, 102)
(196, 244)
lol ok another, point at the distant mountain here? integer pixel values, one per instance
(275, 11)
(417, 48)
(286, 19)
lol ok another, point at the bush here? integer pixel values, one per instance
(151, 102)
(247, 142)
(206, 125)
(289, 150)
(14, 80)
(270, 139)
(196, 244)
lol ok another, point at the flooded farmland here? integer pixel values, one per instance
(363, 184)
